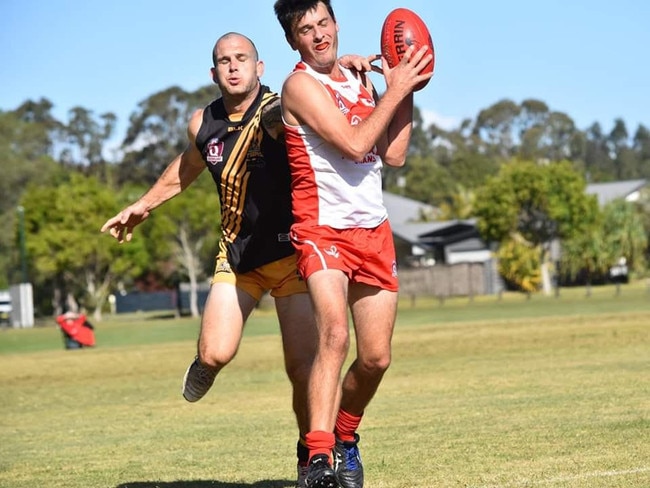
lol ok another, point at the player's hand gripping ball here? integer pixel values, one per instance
(403, 28)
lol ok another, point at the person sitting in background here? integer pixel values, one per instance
(77, 331)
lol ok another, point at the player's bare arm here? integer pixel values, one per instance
(306, 102)
(393, 144)
(272, 120)
(272, 113)
(178, 175)
(398, 134)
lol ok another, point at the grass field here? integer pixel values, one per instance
(546, 392)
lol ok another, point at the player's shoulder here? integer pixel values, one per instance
(195, 122)
(298, 79)
(271, 105)
(197, 114)
(272, 118)
(301, 86)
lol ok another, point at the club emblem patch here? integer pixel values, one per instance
(214, 151)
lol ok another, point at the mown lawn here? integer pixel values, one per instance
(548, 392)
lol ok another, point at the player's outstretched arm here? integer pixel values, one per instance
(178, 175)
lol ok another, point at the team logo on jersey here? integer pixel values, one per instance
(223, 266)
(332, 251)
(214, 151)
(394, 269)
(342, 107)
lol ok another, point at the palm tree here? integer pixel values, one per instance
(587, 253)
(624, 231)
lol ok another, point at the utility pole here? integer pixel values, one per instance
(21, 232)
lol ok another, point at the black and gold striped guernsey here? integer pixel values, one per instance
(251, 172)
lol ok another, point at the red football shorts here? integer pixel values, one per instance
(364, 255)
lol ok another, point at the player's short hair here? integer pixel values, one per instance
(289, 12)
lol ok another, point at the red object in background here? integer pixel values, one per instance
(77, 328)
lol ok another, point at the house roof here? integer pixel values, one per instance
(472, 244)
(606, 192)
(411, 232)
(450, 231)
(435, 233)
(402, 210)
(405, 217)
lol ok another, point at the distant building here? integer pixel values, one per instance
(629, 190)
(421, 244)
(425, 243)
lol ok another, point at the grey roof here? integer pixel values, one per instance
(421, 232)
(411, 232)
(401, 209)
(606, 192)
(472, 244)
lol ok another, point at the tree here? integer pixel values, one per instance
(23, 159)
(598, 163)
(559, 131)
(87, 137)
(625, 233)
(535, 204)
(460, 205)
(157, 132)
(39, 114)
(67, 252)
(624, 159)
(641, 147)
(643, 210)
(618, 233)
(187, 233)
(496, 125)
(423, 179)
(586, 254)
(420, 143)
(519, 264)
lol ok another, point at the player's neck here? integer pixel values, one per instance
(239, 104)
(332, 71)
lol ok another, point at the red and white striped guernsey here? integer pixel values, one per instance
(327, 188)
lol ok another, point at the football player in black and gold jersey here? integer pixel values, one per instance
(239, 138)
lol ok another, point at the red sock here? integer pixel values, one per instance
(319, 442)
(346, 425)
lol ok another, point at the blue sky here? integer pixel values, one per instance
(585, 58)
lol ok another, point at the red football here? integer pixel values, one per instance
(401, 29)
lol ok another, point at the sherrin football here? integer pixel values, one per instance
(403, 28)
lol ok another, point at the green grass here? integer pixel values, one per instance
(546, 392)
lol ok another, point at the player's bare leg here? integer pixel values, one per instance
(298, 328)
(373, 313)
(226, 310)
(328, 289)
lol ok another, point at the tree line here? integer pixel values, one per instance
(520, 168)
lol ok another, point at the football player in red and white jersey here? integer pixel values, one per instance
(338, 136)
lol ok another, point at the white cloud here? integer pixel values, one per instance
(445, 122)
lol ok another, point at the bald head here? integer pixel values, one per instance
(231, 35)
